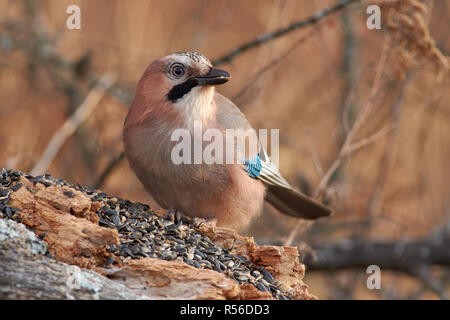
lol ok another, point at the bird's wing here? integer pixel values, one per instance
(279, 192)
(269, 172)
(229, 115)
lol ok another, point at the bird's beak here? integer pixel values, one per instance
(213, 77)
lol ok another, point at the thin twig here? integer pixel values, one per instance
(372, 138)
(108, 169)
(272, 64)
(423, 273)
(376, 201)
(442, 282)
(360, 120)
(388, 128)
(71, 125)
(314, 155)
(266, 37)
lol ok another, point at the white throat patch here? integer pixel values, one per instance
(197, 105)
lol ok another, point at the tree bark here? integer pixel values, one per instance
(407, 256)
(25, 273)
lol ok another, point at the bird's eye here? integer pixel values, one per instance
(177, 70)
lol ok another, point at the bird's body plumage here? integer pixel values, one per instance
(227, 192)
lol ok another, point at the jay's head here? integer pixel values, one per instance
(177, 86)
(181, 76)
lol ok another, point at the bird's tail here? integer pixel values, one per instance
(296, 204)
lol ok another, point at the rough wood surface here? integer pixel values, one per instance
(281, 262)
(174, 280)
(25, 273)
(68, 227)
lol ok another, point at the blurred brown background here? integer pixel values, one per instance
(388, 89)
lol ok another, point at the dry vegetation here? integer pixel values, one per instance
(363, 114)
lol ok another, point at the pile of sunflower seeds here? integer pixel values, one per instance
(8, 185)
(143, 233)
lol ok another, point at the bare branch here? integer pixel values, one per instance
(270, 65)
(108, 169)
(372, 138)
(413, 257)
(360, 120)
(424, 275)
(314, 155)
(71, 125)
(377, 198)
(266, 37)
(401, 255)
(389, 127)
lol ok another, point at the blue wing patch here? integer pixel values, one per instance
(253, 166)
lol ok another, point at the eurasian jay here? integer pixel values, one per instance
(177, 92)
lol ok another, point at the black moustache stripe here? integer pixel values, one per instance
(181, 89)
